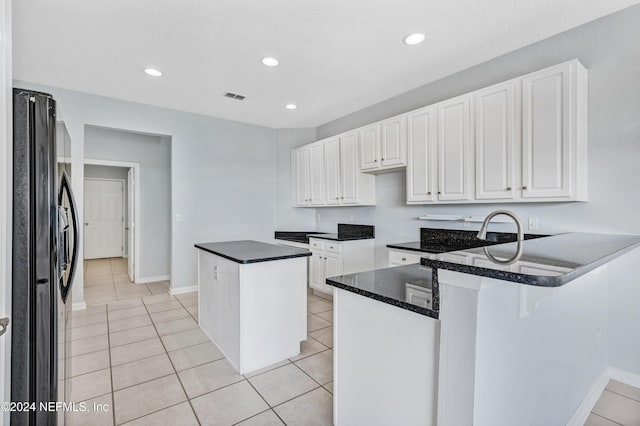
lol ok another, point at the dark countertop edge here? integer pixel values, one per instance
(398, 246)
(245, 262)
(292, 239)
(354, 238)
(402, 305)
(520, 278)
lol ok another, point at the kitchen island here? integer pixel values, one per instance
(252, 300)
(525, 343)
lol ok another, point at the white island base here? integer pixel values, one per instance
(255, 312)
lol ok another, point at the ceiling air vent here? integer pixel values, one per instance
(234, 96)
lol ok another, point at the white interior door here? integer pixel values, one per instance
(103, 218)
(131, 205)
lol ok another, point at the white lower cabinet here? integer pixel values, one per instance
(404, 257)
(333, 258)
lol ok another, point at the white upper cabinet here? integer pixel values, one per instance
(327, 173)
(316, 174)
(332, 171)
(349, 168)
(522, 140)
(369, 138)
(300, 174)
(421, 148)
(497, 139)
(554, 121)
(383, 145)
(393, 141)
(454, 133)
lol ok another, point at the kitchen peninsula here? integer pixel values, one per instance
(253, 300)
(536, 327)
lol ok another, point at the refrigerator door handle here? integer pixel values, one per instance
(4, 323)
(66, 187)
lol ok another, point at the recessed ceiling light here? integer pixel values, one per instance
(413, 39)
(270, 62)
(153, 72)
(291, 106)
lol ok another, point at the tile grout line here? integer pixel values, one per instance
(265, 401)
(621, 394)
(257, 414)
(113, 399)
(175, 371)
(606, 418)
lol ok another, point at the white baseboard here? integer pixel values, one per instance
(78, 306)
(144, 280)
(587, 404)
(181, 290)
(623, 376)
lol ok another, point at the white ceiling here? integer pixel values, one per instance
(336, 56)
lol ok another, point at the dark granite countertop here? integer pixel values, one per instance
(296, 236)
(547, 262)
(248, 251)
(434, 240)
(349, 232)
(341, 237)
(393, 286)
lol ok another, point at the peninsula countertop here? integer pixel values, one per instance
(395, 286)
(546, 262)
(249, 251)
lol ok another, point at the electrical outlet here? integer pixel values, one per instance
(351, 218)
(317, 216)
(533, 224)
(178, 218)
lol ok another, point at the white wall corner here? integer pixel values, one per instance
(144, 280)
(631, 379)
(180, 290)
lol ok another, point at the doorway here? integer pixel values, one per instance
(104, 220)
(111, 200)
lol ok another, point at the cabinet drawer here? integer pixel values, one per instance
(419, 296)
(401, 258)
(333, 247)
(316, 245)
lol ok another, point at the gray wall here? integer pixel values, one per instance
(223, 172)
(154, 155)
(109, 172)
(609, 48)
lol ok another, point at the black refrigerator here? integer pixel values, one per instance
(44, 258)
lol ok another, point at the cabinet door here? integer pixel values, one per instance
(421, 158)
(393, 140)
(369, 147)
(547, 132)
(496, 140)
(316, 270)
(349, 168)
(300, 166)
(332, 267)
(454, 128)
(332, 170)
(316, 174)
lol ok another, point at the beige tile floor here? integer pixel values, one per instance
(106, 281)
(139, 350)
(146, 361)
(619, 404)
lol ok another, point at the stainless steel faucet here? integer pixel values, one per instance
(482, 234)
